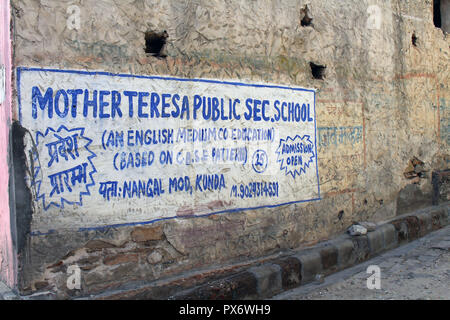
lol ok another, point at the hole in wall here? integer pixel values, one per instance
(317, 70)
(414, 39)
(441, 14)
(437, 13)
(340, 214)
(306, 19)
(415, 169)
(155, 43)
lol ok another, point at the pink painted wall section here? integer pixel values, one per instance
(7, 272)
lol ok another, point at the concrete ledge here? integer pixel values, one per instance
(401, 230)
(237, 287)
(390, 236)
(291, 272)
(307, 265)
(311, 265)
(323, 259)
(268, 279)
(345, 253)
(375, 240)
(329, 259)
(439, 218)
(425, 223)
(361, 248)
(408, 228)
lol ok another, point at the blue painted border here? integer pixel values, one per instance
(104, 73)
(315, 142)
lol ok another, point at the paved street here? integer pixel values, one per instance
(417, 270)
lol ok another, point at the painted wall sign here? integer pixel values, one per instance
(108, 149)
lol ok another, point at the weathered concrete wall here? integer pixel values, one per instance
(7, 257)
(377, 82)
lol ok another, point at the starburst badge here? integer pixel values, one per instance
(295, 154)
(63, 168)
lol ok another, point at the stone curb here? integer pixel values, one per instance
(266, 279)
(311, 264)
